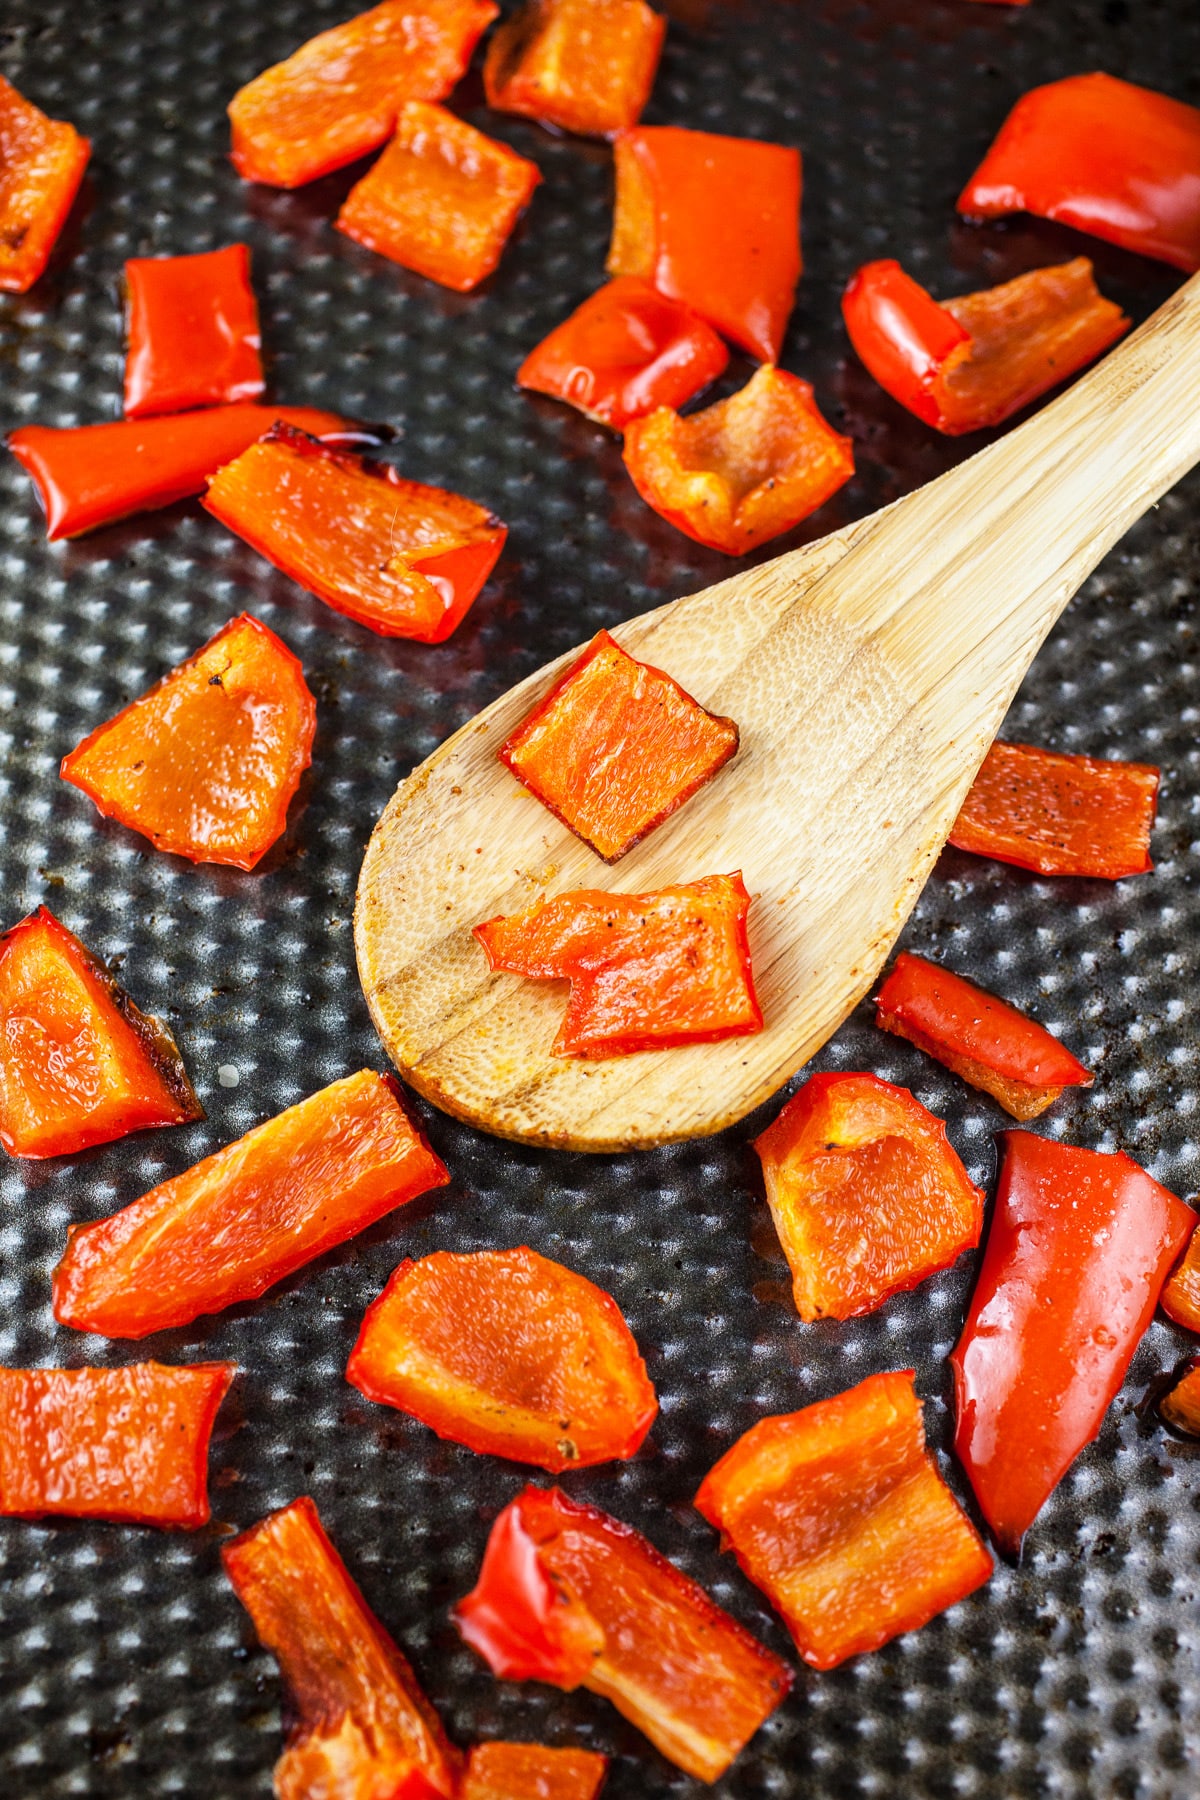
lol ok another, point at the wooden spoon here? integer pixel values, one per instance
(868, 672)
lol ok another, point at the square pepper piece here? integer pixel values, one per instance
(585, 65)
(442, 199)
(192, 323)
(41, 166)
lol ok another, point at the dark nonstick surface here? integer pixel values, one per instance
(126, 1665)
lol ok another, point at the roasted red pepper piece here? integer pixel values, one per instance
(647, 971)
(988, 1043)
(585, 65)
(206, 763)
(192, 324)
(338, 95)
(975, 360)
(124, 1444)
(714, 222)
(741, 471)
(403, 558)
(1179, 1407)
(442, 199)
(569, 1595)
(41, 166)
(866, 1193)
(616, 746)
(1060, 815)
(839, 1515)
(364, 1730)
(510, 1354)
(532, 1772)
(1181, 1296)
(1078, 1249)
(251, 1214)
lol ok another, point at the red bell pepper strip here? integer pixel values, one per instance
(532, 1772)
(989, 1044)
(442, 200)
(192, 325)
(130, 1445)
(404, 559)
(1079, 1247)
(241, 1220)
(79, 1063)
(741, 471)
(1060, 815)
(866, 1193)
(41, 166)
(647, 971)
(714, 222)
(337, 97)
(206, 763)
(583, 65)
(1179, 1407)
(364, 1730)
(1112, 159)
(616, 746)
(510, 1354)
(838, 1513)
(1181, 1295)
(569, 1595)
(975, 360)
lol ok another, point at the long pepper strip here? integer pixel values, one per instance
(194, 337)
(1060, 815)
(583, 65)
(41, 166)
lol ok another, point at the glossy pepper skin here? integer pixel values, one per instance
(839, 1515)
(1060, 815)
(206, 763)
(1078, 1249)
(510, 1354)
(1179, 1407)
(249, 1215)
(194, 338)
(987, 1042)
(363, 1728)
(1118, 161)
(1181, 1296)
(501, 1771)
(402, 558)
(569, 1595)
(584, 65)
(41, 166)
(970, 362)
(79, 1063)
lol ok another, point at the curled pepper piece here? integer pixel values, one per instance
(205, 764)
(569, 1595)
(338, 95)
(616, 747)
(741, 471)
(838, 1513)
(647, 971)
(194, 338)
(1109, 158)
(79, 1063)
(1179, 1407)
(243, 1219)
(404, 559)
(128, 1444)
(363, 1729)
(501, 1771)
(509, 1354)
(866, 1192)
(988, 1043)
(1059, 815)
(584, 65)
(1181, 1296)
(975, 360)
(442, 199)
(41, 166)
(1079, 1247)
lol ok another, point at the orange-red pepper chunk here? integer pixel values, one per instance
(510, 1354)
(532, 1772)
(616, 746)
(741, 471)
(1179, 1407)
(866, 1192)
(128, 1444)
(839, 1515)
(1180, 1298)
(194, 338)
(41, 166)
(1060, 815)
(338, 95)
(249, 1215)
(206, 763)
(79, 1063)
(584, 65)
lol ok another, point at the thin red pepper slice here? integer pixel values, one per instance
(404, 559)
(364, 1729)
(128, 1444)
(1060, 815)
(1181, 1295)
(510, 1354)
(205, 764)
(194, 338)
(584, 65)
(616, 746)
(987, 1042)
(569, 1595)
(1079, 1247)
(866, 1192)
(838, 1513)
(41, 166)
(249, 1215)
(500, 1771)
(1179, 1407)
(337, 97)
